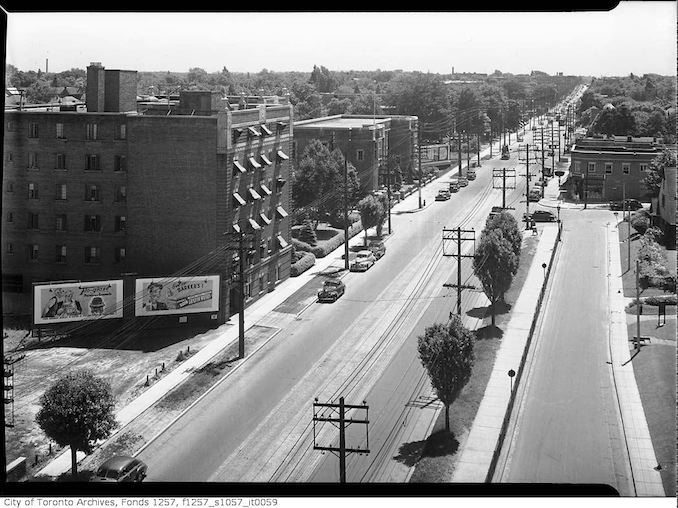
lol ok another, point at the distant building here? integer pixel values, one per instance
(96, 194)
(611, 168)
(366, 141)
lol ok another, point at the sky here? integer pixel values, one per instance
(635, 37)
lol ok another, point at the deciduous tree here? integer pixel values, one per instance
(77, 411)
(446, 351)
(371, 213)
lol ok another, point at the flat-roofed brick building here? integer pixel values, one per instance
(366, 142)
(608, 169)
(94, 195)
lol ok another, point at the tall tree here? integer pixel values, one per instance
(77, 411)
(446, 351)
(371, 213)
(655, 173)
(508, 225)
(495, 264)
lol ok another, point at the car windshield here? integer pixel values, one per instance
(108, 473)
(363, 254)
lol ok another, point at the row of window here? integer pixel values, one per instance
(252, 163)
(91, 223)
(253, 195)
(92, 191)
(92, 255)
(262, 219)
(591, 167)
(253, 132)
(91, 132)
(92, 162)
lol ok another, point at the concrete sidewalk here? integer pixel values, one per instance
(476, 458)
(646, 480)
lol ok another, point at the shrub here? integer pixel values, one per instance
(640, 221)
(307, 234)
(654, 234)
(656, 300)
(306, 262)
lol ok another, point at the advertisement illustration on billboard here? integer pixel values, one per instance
(77, 301)
(176, 295)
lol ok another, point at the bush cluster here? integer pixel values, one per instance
(306, 261)
(324, 247)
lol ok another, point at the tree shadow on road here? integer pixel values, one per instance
(437, 445)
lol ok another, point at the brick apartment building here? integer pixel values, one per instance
(366, 142)
(610, 168)
(98, 194)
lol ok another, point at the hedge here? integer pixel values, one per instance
(325, 247)
(306, 262)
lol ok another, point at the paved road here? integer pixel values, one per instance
(567, 427)
(255, 426)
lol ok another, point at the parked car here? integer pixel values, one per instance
(534, 194)
(505, 152)
(363, 261)
(496, 210)
(463, 181)
(121, 468)
(443, 195)
(454, 186)
(541, 216)
(377, 248)
(631, 204)
(332, 289)
(470, 174)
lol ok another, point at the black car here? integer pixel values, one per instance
(121, 468)
(542, 216)
(331, 291)
(631, 204)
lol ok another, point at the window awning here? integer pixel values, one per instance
(254, 225)
(265, 219)
(282, 242)
(266, 130)
(254, 194)
(239, 167)
(281, 212)
(280, 125)
(238, 198)
(254, 163)
(280, 182)
(281, 155)
(251, 131)
(265, 160)
(265, 189)
(236, 228)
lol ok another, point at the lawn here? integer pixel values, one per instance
(440, 452)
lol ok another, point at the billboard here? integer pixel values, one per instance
(176, 295)
(77, 301)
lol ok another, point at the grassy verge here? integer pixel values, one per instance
(440, 451)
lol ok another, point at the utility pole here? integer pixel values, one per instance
(8, 386)
(586, 186)
(478, 146)
(636, 344)
(346, 265)
(419, 156)
(468, 152)
(449, 235)
(460, 155)
(553, 153)
(503, 174)
(240, 237)
(490, 138)
(342, 422)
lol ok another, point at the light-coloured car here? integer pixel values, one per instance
(363, 261)
(463, 181)
(443, 195)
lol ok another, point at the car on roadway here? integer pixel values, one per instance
(496, 210)
(363, 261)
(463, 181)
(541, 216)
(470, 174)
(377, 248)
(631, 204)
(121, 468)
(443, 195)
(454, 186)
(331, 291)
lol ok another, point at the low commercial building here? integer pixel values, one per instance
(111, 193)
(366, 141)
(609, 169)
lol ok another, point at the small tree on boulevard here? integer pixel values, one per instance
(77, 411)
(495, 264)
(509, 227)
(371, 213)
(446, 351)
